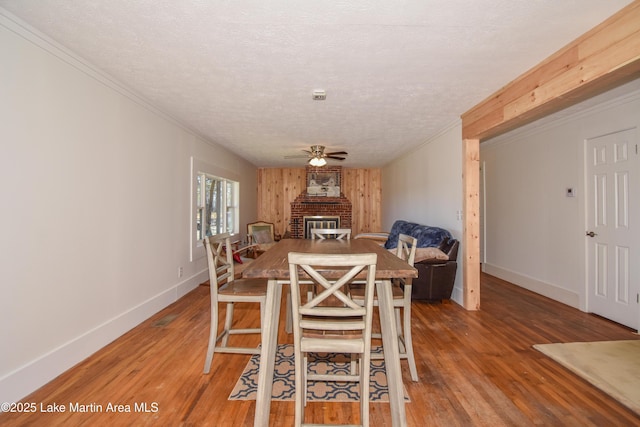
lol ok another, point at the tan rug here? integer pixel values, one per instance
(612, 366)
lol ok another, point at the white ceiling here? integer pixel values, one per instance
(241, 73)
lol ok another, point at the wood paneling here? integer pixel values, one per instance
(474, 368)
(363, 187)
(277, 188)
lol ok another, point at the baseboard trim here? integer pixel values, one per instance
(28, 378)
(548, 290)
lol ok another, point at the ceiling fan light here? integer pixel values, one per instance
(317, 162)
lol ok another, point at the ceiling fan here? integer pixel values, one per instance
(317, 156)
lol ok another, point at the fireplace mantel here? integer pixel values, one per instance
(323, 201)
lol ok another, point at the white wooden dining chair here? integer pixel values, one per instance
(401, 289)
(331, 233)
(323, 234)
(226, 289)
(331, 321)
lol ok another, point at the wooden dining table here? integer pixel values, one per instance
(274, 266)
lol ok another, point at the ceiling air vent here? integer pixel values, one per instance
(319, 95)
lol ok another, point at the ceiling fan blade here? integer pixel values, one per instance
(319, 152)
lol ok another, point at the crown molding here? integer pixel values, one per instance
(41, 40)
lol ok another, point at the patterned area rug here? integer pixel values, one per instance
(283, 379)
(612, 366)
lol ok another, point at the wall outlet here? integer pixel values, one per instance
(180, 272)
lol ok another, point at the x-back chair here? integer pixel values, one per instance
(226, 289)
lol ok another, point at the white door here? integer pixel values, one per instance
(612, 237)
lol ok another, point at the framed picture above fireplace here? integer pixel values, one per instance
(323, 184)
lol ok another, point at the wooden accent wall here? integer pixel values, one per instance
(278, 187)
(363, 187)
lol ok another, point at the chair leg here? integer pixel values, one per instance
(289, 316)
(401, 344)
(213, 338)
(300, 381)
(365, 364)
(408, 342)
(227, 325)
(304, 382)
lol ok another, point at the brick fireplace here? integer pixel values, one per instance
(323, 200)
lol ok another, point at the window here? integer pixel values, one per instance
(217, 205)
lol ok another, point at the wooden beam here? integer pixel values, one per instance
(604, 57)
(471, 233)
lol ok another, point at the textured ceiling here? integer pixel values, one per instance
(241, 73)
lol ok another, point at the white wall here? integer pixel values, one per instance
(95, 217)
(425, 186)
(534, 233)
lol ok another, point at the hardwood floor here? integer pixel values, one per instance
(475, 368)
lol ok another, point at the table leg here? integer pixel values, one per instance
(391, 353)
(268, 354)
